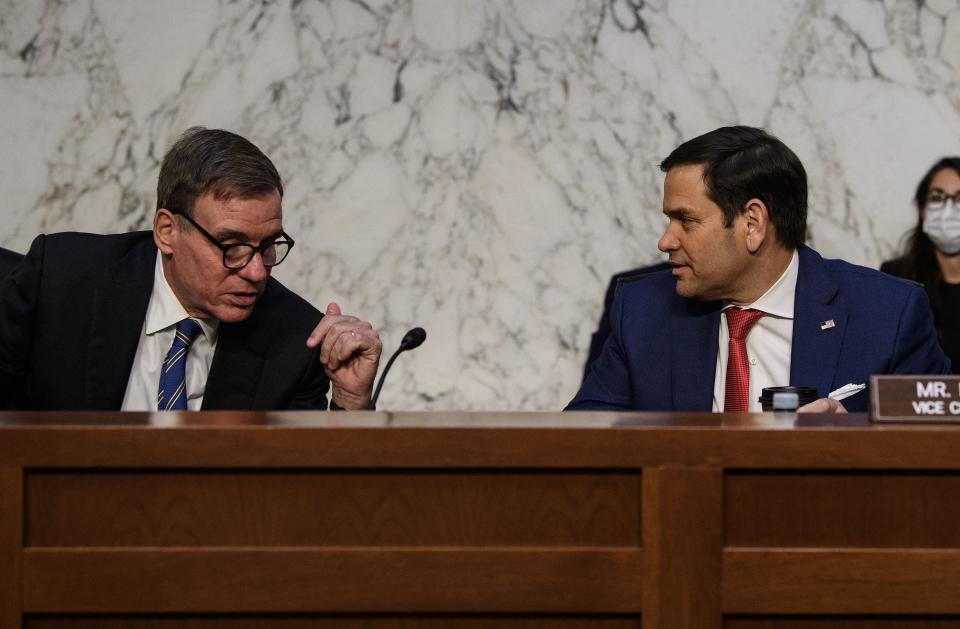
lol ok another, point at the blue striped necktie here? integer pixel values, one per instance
(173, 372)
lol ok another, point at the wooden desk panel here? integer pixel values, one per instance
(11, 545)
(303, 579)
(862, 509)
(850, 622)
(697, 521)
(333, 622)
(250, 507)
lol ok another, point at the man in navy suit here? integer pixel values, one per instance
(746, 305)
(185, 316)
(599, 338)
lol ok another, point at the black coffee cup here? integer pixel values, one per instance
(804, 394)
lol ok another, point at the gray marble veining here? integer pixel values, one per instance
(477, 167)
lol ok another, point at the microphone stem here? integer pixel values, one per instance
(383, 376)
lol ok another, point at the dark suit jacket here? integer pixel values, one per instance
(599, 338)
(662, 350)
(9, 260)
(944, 301)
(72, 314)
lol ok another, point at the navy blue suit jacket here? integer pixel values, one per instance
(662, 351)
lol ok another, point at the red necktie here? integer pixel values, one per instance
(737, 388)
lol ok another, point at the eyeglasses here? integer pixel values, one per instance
(937, 199)
(237, 256)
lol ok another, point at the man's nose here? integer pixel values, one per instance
(255, 270)
(668, 242)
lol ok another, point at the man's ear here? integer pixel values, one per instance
(756, 224)
(166, 230)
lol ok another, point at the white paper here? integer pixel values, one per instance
(846, 391)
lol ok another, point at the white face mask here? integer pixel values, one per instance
(943, 227)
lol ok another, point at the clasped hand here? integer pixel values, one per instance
(350, 353)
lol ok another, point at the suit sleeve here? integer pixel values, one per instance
(599, 338)
(18, 300)
(607, 386)
(916, 348)
(311, 391)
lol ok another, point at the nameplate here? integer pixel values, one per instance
(934, 399)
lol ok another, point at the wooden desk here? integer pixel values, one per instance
(375, 520)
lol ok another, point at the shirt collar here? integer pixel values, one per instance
(779, 299)
(165, 311)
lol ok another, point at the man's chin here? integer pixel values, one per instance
(686, 288)
(233, 314)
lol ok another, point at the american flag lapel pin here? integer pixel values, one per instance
(826, 325)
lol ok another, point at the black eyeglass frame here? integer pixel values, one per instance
(286, 239)
(942, 203)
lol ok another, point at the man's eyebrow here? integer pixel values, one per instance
(230, 234)
(240, 237)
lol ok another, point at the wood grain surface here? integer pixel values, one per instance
(11, 541)
(682, 575)
(438, 621)
(841, 581)
(876, 509)
(468, 520)
(332, 508)
(346, 580)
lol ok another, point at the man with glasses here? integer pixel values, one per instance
(185, 316)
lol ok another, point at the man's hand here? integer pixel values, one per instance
(823, 405)
(350, 353)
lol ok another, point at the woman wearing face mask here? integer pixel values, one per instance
(932, 255)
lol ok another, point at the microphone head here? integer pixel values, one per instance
(413, 338)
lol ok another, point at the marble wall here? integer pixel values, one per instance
(478, 167)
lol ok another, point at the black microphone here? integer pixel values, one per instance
(411, 340)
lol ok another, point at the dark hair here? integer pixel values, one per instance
(743, 163)
(213, 160)
(919, 260)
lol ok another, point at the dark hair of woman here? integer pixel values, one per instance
(919, 260)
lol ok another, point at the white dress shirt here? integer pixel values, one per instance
(163, 313)
(769, 341)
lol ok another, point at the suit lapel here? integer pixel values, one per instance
(117, 314)
(819, 325)
(694, 335)
(236, 368)
(116, 324)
